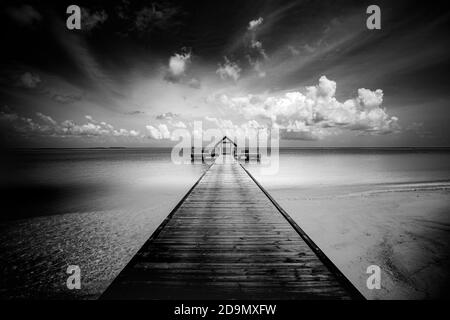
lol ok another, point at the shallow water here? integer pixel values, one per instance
(315, 168)
(91, 208)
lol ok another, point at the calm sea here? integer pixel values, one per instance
(343, 167)
(56, 181)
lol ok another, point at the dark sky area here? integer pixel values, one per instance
(139, 70)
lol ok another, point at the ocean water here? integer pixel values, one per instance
(96, 207)
(345, 167)
(56, 181)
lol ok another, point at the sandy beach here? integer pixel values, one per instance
(402, 228)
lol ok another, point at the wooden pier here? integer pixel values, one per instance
(228, 239)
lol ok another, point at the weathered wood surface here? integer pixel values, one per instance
(227, 240)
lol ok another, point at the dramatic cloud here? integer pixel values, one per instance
(317, 112)
(47, 126)
(91, 19)
(29, 80)
(229, 70)
(24, 15)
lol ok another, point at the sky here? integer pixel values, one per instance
(137, 71)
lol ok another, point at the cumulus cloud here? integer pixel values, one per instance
(232, 130)
(229, 70)
(24, 15)
(166, 116)
(65, 98)
(162, 131)
(316, 112)
(177, 66)
(178, 124)
(92, 19)
(293, 50)
(177, 70)
(253, 24)
(158, 133)
(178, 62)
(29, 80)
(153, 132)
(45, 125)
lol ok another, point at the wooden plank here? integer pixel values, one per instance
(228, 239)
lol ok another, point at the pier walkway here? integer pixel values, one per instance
(228, 239)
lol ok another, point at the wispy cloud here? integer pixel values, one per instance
(134, 112)
(229, 70)
(25, 15)
(65, 98)
(160, 16)
(29, 80)
(91, 19)
(257, 54)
